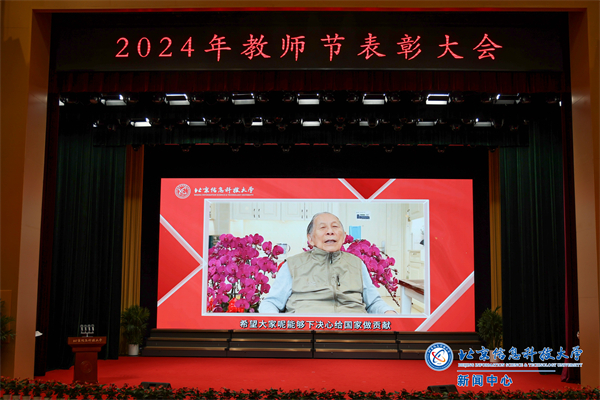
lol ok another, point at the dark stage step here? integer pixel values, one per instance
(299, 344)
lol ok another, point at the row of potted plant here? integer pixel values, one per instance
(36, 389)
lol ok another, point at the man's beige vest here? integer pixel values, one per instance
(324, 282)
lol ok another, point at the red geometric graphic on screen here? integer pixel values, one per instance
(367, 187)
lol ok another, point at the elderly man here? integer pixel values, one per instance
(324, 280)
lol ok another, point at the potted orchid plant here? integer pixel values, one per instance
(238, 272)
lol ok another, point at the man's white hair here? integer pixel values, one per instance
(311, 224)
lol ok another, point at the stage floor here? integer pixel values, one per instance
(303, 374)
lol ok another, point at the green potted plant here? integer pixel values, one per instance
(133, 325)
(489, 326)
(5, 320)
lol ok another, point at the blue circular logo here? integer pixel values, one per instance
(439, 356)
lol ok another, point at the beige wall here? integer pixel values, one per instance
(24, 74)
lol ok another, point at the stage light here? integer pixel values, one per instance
(339, 127)
(441, 149)
(393, 97)
(417, 98)
(398, 126)
(308, 99)
(425, 123)
(94, 99)
(235, 148)
(337, 148)
(197, 122)
(437, 99)
(455, 127)
(311, 123)
(224, 127)
(373, 99)
(285, 149)
(197, 98)
(243, 99)
(467, 121)
(215, 120)
(482, 124)
(388, 149)
(281, 127)
(486, 98)
(370, 122)
(458, 98)
(132, 98)
(507, 99)
(141, 123)
(352, 98)
(552, 99)
(185, 147)
(61, 103)
(222, 98)
(262, 98)
(514, 128)
(288, 97)
(113, 100)
(525, 99)
(257, 121)
(158, 98)
(328, 97)
(178, 99)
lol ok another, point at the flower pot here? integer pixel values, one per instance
(134, 350)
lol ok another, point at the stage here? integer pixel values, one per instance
(303, 374)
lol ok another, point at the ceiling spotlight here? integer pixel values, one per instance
(467, 121)
(328, 97)
(197, 122)
(525, 98)
(458, 98)
(241, 99)
(235, 148)
(374, 99)
(507, 99)
(486, 98)
(311, 122)
(388, 149)
(425, 123)
(262, 98)
(281, 127)
(352, 98)
(185, 147)
(308, 99)
(398, 127)
(224, 127)
(288, 97)
(440, 149)
(482, 124)
(197, 98)
(222, 98)
(286, 149)
(158, 98)
(132, 98)
(113, 100)
(337, 148)
(393, 97)
(140, 123)
(455, 127)
(437, 99)
(178, 99)
(514, 128)
(339, 127)
(215, 120)
(417, 98)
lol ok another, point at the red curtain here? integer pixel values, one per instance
(368, 81)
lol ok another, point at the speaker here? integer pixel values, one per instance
(443, 389)
(148, 385)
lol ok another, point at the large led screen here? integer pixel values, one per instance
(224, 245)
